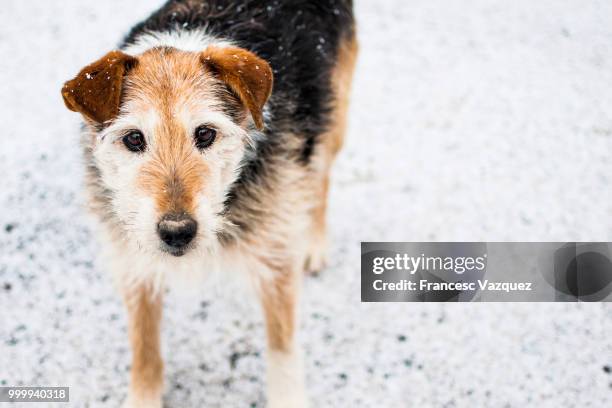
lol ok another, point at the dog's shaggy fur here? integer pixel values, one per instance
(209, 138)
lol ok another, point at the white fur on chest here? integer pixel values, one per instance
(215, 266)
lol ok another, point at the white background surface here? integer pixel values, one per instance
(474, 120)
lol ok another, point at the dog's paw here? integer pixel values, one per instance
(316, 257)
(133, 401)
(288, 402)
(285, 379)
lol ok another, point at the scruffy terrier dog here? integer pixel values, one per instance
(209, 138)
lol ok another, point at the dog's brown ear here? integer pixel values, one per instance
(96, 91)
(249, 76)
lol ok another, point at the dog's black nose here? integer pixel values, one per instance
(177, 231)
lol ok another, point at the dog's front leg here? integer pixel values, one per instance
(146, 380)
(285, 374)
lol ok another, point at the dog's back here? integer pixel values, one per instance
(300, 39)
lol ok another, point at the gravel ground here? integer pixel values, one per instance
(474, 120)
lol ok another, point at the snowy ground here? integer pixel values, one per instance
(472, 120)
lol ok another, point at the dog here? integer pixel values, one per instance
(208, 138)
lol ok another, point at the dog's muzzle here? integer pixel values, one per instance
(176, 232)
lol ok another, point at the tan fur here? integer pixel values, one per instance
(175, 174)
(342, 78)
(278, 300)
(332, 142)
(144, 314)
(96, 91)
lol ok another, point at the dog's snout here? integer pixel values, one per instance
(177, 231)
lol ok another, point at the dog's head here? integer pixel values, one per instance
(171, 128)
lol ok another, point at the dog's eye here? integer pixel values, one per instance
(204, 137)
(134, 141)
